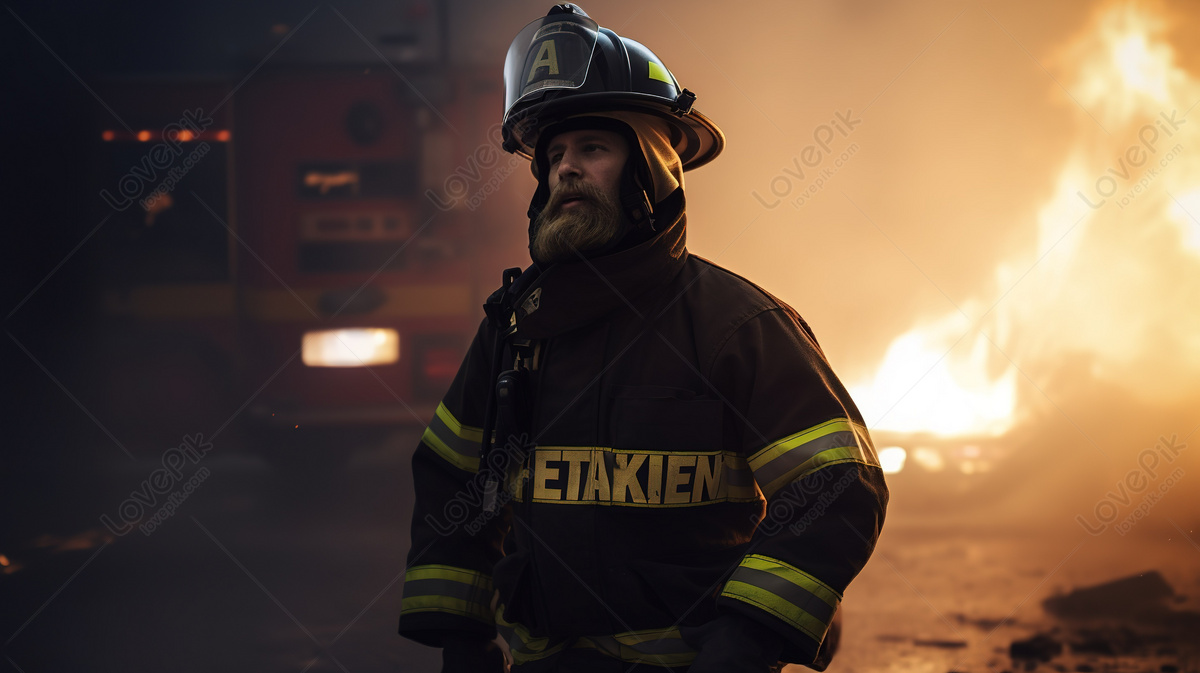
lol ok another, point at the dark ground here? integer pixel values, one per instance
(257, 573)
(251, 573)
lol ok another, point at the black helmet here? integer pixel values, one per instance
(564, 64)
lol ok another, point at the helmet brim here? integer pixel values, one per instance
(694, 137)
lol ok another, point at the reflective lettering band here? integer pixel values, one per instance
(633, 478)
(799, 599)
(793, 457)
(656, 647)
(457, 443)
(439, 588)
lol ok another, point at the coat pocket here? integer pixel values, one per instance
(683, 591)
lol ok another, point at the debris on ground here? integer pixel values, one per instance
(1038, 648)
(944, 644)
(984, 623)
(1098, 627)
(1125, 598)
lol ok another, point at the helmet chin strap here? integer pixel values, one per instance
(638, 208)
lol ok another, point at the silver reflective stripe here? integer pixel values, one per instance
(448, 588)
(800, 454)
(796, 595)
(798, 598)
(837, 441)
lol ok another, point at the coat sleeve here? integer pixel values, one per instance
(813, 460)
(448, 582)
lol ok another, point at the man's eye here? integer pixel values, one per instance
(555, 158)
(591, 147)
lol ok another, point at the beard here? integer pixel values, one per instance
(561, 235)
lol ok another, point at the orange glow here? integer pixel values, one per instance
(143, 135)
(223, 136)
(934, 380)
(891, 459)
(107, 135)
(3, 560)
(1081, 288)
(186, 136)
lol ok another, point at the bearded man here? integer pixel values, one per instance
(645, 462)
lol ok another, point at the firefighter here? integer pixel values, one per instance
(645, 461)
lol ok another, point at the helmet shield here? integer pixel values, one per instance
(553, 52)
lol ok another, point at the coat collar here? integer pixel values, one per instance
(570, 295)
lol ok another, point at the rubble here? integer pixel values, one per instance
(1126, 617)
(1038, 648)
(1125, 598)
(944, 644)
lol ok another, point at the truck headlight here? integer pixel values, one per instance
(359, 347)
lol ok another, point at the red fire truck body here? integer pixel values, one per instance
(322, 263)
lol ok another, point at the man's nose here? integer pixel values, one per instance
(568, 166)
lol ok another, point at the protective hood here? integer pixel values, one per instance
(659, 160)
(652, 184)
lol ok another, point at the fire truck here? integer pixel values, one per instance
(302, 254)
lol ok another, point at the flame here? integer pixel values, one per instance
(936, 379)
(1186, 211)
(1115, 274)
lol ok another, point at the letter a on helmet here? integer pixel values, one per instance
(564, 64)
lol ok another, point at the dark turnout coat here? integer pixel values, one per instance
(693, 453)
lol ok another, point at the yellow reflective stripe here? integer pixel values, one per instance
(468, 463)
(474, 435)
(836, 441)
(445, 572)
(794, 575)
(794, 596)
(659, 647)
(442, 588)
(457, 443)
(523, 646)
(663, 647)
(764, 456)
(658, 72)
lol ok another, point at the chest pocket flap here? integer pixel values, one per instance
(659, 418)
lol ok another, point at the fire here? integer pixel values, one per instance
(1186, 212)
(936, 379)
(1125, 60)
(1113, 279)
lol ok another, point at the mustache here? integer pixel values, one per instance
(569, 190)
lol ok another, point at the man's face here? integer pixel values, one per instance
(584, 210)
